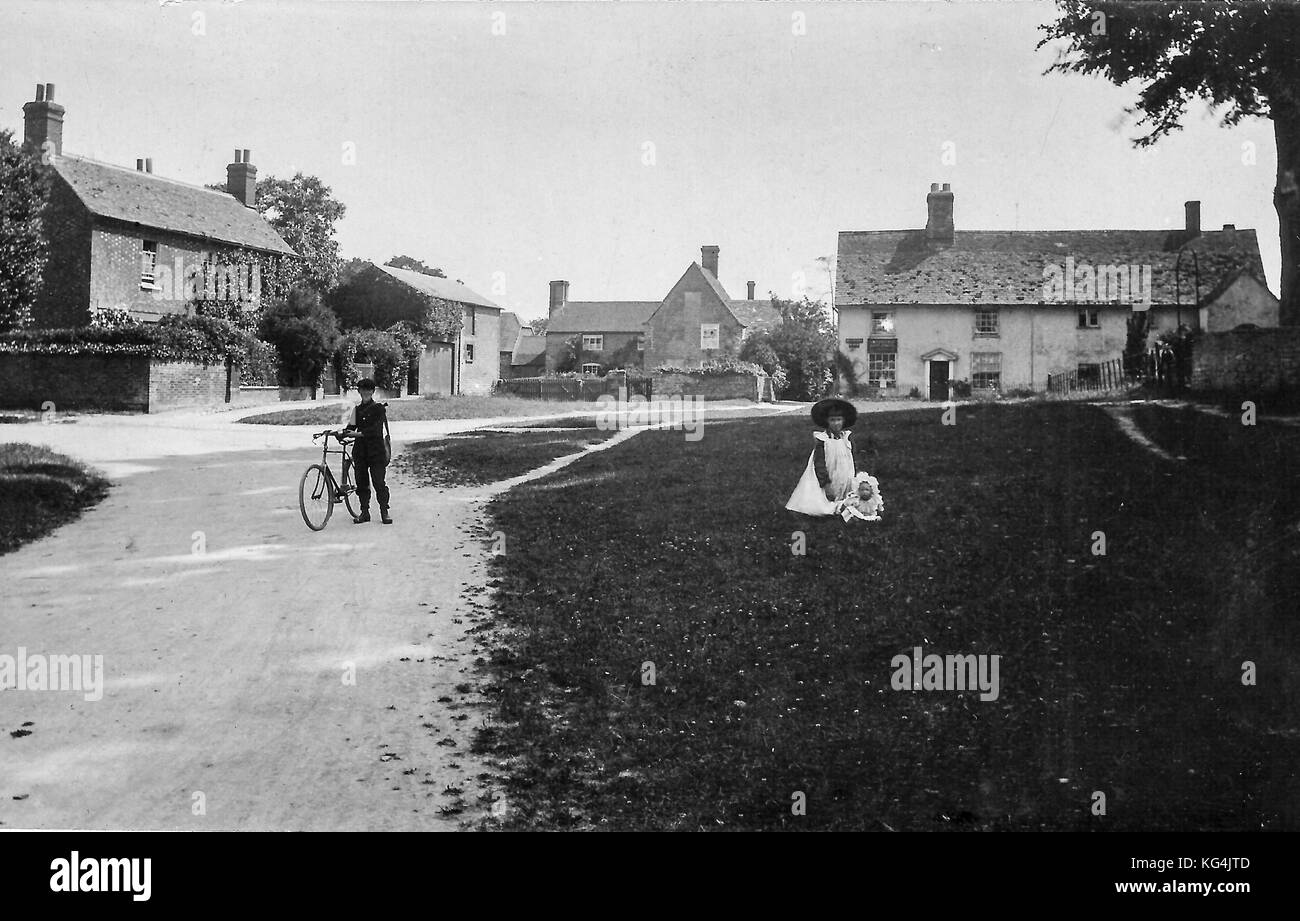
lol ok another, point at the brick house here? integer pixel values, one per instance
(696, 321)
(1004, 309)
(131, 240)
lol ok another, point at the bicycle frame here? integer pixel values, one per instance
(326, 451)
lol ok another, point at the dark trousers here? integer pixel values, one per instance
(369, 463)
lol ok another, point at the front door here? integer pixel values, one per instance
(938, 379)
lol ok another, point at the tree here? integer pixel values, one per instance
(1240, 57)
(803, 346)
(415, 265)
(538, 326)
(305, 334)
(24, 186)
(303, 211)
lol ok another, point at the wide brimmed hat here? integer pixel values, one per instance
(823, 408)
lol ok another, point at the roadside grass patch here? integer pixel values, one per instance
(485, 456)
(41, 490)
(427, 409)
(773, 670)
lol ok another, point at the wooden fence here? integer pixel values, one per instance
(1106, 375)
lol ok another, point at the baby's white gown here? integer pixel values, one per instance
(808, 496)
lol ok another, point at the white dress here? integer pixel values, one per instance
(808, 496)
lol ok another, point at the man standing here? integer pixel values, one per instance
(370, 453)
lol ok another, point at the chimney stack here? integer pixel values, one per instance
(241, 179)
(938, 225)
(751, 290)
(1193, 211)
(1229, 226)
(709, 259)
(559, 295)
(43, 121)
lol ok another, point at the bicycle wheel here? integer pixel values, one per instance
(316, 497)
(349, 490)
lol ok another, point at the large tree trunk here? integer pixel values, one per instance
(1286, 199)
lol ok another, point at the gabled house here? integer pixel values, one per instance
(529, 356)
(1004, 309)
(697, 321)
(510, 331)
(131, 240)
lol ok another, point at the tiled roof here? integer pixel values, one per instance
(1229, 279)
(443, 288)
(1006, 267)
(528, 349)
(601, 316)
(137, 197)
(757, 315)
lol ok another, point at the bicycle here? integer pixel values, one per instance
(319, 491)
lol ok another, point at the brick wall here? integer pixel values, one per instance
(65, 291)
(116, 383)
(1247, 360)
(712, 387)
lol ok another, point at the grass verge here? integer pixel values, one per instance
(1119, 673)
(430, 408)
(41, 490)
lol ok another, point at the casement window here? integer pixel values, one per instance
(593, 343)
(882, 323)
(709, 335)
(640, 343)
(986, 370)
(471, 321)
(591, 368)
(148, 263)
(469, 354)
(1089, 319)
(1089, 373)
(986, 323)
(882, 369)
(853, 344)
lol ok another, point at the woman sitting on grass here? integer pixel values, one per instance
(830, 483)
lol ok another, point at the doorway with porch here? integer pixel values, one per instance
(938, 373)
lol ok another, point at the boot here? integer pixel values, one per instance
(384, 517)
(363, 517)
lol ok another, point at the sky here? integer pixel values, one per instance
(605, 143)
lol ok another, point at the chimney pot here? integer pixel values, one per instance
(934, 187)
(709, 259)
(43, 121)
(1229, 226)
(1193, 212)
(238, 156)
(148, 164)
(139, 165)
(247, 158)
(751, 290)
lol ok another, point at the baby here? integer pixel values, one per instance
(864, 501)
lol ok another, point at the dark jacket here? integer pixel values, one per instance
(368, 421)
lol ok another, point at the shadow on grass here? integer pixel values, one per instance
(41, 490)
(772, 670)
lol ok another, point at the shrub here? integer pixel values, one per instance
(305, 335)
(376, 347)
(24, 188)
(173, 338)
(715, 367)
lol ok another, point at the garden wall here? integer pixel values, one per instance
(1247, 360)
(735, 386)
(120, 383)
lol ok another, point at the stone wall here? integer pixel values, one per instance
(1247, 361)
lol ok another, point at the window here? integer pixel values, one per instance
(591, 368)
(709, 333)
(469, 354)
(853, 344)
(986, 370)
(986, 322)
(882, 369)
(1089, 319)
(1089, 375)
(148, 263)
(473, 321)
(882, 324)
(593, 343)
(640, 343)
